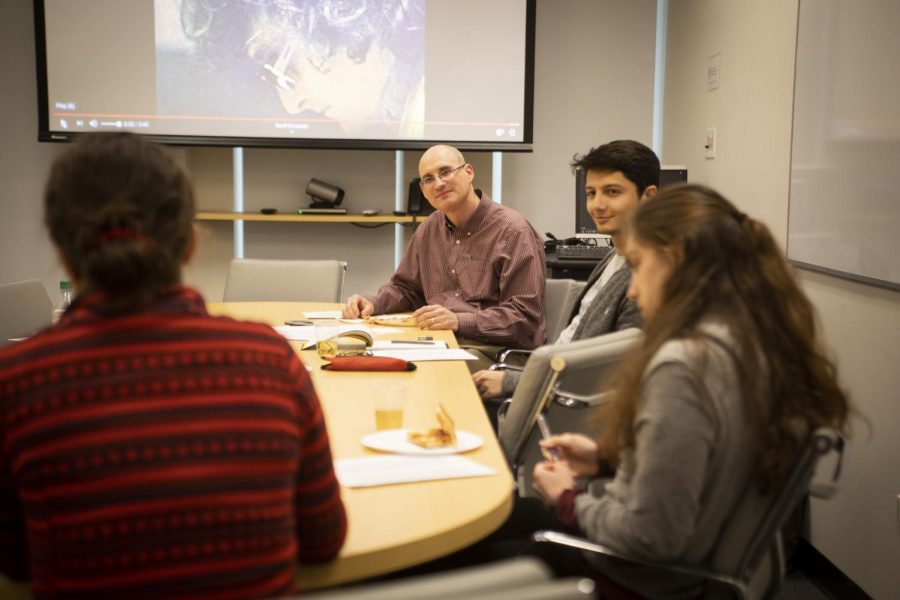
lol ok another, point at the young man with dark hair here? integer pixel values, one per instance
(618, 175)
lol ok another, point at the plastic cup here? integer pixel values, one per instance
(389, 401)
(326, 339)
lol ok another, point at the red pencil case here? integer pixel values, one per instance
(368, 363)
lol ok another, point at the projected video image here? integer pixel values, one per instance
(317, 68)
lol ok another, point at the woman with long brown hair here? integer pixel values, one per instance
(722, 393)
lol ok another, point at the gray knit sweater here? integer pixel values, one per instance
(691, 461)
(611, 310)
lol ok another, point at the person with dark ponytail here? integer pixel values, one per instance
(727, 384)
(148, 449)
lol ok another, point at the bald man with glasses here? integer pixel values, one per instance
(474, 266)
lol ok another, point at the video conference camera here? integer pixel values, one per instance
(324, 195)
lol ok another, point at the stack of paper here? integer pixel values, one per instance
(370, 471)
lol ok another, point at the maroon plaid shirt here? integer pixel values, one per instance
(489, 272)
(165, 454)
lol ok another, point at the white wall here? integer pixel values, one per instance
(858, 530)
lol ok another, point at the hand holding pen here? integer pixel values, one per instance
(578, 451)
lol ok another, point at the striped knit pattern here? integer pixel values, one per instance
(490, 272)
(167, 454)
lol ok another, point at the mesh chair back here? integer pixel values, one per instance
(474, 582)
(263, 280)
(749, 545)
(575, 369)
(559, 301)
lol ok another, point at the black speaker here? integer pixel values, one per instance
(416, 204)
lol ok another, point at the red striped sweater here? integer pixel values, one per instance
(164, 454)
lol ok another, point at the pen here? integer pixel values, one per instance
(418, 342)
(545, 433)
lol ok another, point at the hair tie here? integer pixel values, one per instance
(117, 233)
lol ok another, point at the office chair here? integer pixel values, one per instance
(559, 302)
(24, 309)
(524, 578)
(747, 561)
(560, 296)
(562, 379)
(263, 280)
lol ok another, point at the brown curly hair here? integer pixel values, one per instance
(730, 269)
(120, 211)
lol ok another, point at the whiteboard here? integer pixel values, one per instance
(844, 211)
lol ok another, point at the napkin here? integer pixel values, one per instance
(368, 363)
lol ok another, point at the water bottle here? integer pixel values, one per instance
(63, 302)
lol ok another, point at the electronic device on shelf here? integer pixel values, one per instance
(322, 211)
(584, 224)
(324, 196)
(582, 252)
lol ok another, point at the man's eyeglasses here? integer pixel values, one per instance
(345, 353)
(443, 174)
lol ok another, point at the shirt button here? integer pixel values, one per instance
(457, 294)
(470, 233)
(453, 270)
(457, 241)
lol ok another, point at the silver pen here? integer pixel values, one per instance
(545, 434)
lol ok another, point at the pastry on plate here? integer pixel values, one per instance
(395, 320)
(438, 437)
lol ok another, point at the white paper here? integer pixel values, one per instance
(370, 471)
(377, 330)
(306, 333)
(322, 314)
(428, 354)
(407, 345)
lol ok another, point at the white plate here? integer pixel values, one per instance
(394, 440)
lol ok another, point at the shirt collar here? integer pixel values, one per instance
(484, 201)
(177, 299)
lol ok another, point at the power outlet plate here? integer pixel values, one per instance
(709, 143)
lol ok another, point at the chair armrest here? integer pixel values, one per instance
(504, 406)
(505, 367)
(580, 401)
(507, 352)
(571, 541)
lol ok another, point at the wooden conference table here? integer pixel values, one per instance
(397, 526)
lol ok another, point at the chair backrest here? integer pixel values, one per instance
(749, 545)
(24, 309)
(264, 280)
(577, 369)
(559, 301)
(476, 582)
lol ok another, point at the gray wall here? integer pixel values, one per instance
(24, 249)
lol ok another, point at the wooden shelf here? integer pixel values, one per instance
(288, 217)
